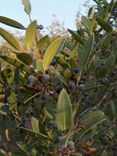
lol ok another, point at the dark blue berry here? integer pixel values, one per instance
(54, 62)
(76, 70)
(60, 138)
(71, 85)
(41, 27)
(52, 123)
(46, 95)
(70, 144)
(84, 100)
(105, 80)
(46, 77)
(81, 87)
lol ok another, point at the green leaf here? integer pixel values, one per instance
(104, 153)
(92, 25)
(90, 120)
(14, 62)
(59, 76)
(90, 83)
(64, 111)
(9, 38)
(11, 22)
(22, 147)
(30, 34)
(43, 42)
(106, 42)
(35, 124)
(51, 52)
(102, 72)
(17, 76)
(25, 58)
(76, 36)
(12, 98)
(86, 51)
(110, 62)
(27, 6)
(7, 75)
(1, 111)
(104, 24)
(85, 22)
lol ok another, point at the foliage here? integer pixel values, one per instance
(59, 97)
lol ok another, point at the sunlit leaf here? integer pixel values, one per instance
(35, 124)
(11, 22)
(9, 38)
(51, 52)
(30, 34)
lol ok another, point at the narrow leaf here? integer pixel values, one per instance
(25, 58)
(35, 124)
(86, 51)
(9, 38)
(85, 22)
(30, 34)
(106, 41)
(51, 52)
(76, 36)
(43, 42)
(64, 111)
(104, 24)
(89, 120)
(11, 22)
(14, 62)
(27, 6)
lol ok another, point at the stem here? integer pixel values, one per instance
(32, 97)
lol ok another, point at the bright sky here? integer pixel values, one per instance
(43, 10)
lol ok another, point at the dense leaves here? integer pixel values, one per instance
(58, 94)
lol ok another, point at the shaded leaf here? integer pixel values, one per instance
(14, 62)
(9, 38)
(25, 58)
(64, 111)
(85, 22)
(102, 72)
(43, 42)
(76, 36)
(59, 76)
(86, 51)
(1, 111)
(104, 24)
(11, 22)
(104, 153)
(106, 41)
(90, 120)
(110, 62)
(7, 75)
(90, 83)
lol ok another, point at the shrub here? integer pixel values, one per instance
(59, 97)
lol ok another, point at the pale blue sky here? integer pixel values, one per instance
(43, 10)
